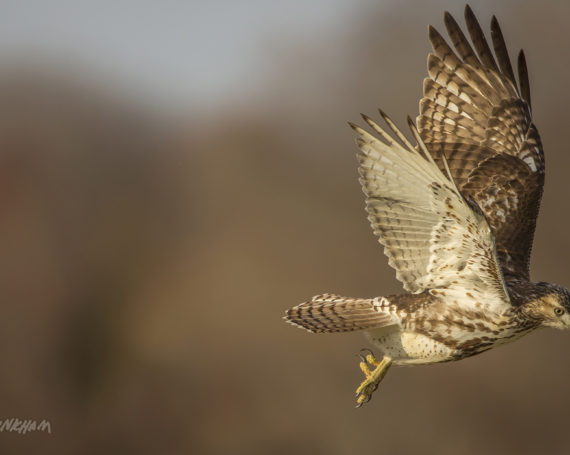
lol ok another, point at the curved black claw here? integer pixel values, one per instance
(365, 395)
(359, 405)
(363, 353)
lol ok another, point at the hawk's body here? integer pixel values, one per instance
(456, 214)
(418, 328)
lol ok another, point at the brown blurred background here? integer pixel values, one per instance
(149, 249)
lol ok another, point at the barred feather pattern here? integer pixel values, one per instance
(433, 236)
(330, 313)
(476, 115)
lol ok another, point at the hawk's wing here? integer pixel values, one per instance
(475, 114)
(433, 237)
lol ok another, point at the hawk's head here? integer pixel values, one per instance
(550, 306)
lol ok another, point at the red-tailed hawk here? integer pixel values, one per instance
(456, 213)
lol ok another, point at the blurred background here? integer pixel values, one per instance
(174, 175)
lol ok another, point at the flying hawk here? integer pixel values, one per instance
(456, 213)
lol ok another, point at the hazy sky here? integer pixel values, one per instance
(191, 51)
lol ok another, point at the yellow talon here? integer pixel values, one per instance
(372, 360)
(373, 377)
(367, 358)
(365, 369)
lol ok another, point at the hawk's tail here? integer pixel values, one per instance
(329, 313)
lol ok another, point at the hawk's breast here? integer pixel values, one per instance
(445, 333)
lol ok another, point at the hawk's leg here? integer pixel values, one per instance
(373, 377)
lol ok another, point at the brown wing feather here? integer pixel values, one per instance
(501, 50)
(474, 113)
(523, 78)
(502, 192)
(479, 41)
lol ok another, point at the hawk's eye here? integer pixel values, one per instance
(558, 311)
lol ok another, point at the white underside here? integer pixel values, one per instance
(407, 348)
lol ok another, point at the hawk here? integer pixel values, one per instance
(456, 214)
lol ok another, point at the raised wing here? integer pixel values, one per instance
(474, 113)
(433, 237)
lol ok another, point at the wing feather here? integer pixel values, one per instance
(473, 111)
(501, 51)
(459, 41)
(523, 78)
(479, 41)
(433, 237)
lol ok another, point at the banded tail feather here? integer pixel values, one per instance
(330, 313)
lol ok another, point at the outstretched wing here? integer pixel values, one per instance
(474, 113)
(433, 237)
